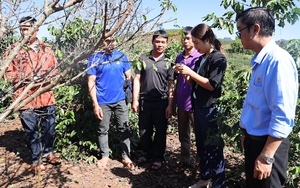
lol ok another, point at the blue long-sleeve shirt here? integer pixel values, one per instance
(269, 107)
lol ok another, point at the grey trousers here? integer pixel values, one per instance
(120, 110)
(185, 124)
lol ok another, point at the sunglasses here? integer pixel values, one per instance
(109, 40)
(24, 28)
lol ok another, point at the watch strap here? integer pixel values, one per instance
(269, 160)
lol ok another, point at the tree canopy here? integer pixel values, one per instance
(284, 11)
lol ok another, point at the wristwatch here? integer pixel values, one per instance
(269, 160)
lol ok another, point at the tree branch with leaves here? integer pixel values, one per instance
(78, 28)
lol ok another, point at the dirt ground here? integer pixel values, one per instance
(15, 170)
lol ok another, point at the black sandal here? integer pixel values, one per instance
(141, 160)
(156, 165)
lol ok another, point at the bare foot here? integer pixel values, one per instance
(38, 168)
(128, 163)
(52, 159)
(102, 162)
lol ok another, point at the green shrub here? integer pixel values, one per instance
(76, 136)
(76, 126)
(173, 50)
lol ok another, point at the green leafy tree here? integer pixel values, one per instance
(236, 46)
(293, 47)
(173, 50)
(285, 11)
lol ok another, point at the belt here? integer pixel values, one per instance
(257, 138)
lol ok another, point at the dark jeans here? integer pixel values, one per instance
(278, 175)
(152, 119)
(39, 125)
(212, 162)
(120, 110)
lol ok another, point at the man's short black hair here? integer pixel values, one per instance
(258, 15)
(27, 19)
(160, 33)
(187, 30)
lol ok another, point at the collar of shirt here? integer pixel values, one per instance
(258, 58)
(187, 61)
(194, 53)
(161, 58)
(35, 47)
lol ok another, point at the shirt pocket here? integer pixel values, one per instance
(256, 96)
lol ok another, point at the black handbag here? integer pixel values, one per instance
(128, 91)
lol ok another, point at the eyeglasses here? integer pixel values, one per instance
(238, 33)
(24, 29)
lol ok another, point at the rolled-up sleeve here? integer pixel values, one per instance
(281, 94)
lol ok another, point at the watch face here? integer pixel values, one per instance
(270, 160)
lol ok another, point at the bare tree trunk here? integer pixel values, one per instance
(125, 19)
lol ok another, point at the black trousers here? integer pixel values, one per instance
(253, 148)
(152, 120)
(212, 162)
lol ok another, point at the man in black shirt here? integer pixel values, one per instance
(153, 88)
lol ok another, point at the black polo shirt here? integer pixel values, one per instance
(214, 70)
(154, 77)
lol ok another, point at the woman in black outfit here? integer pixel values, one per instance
(206, 79)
